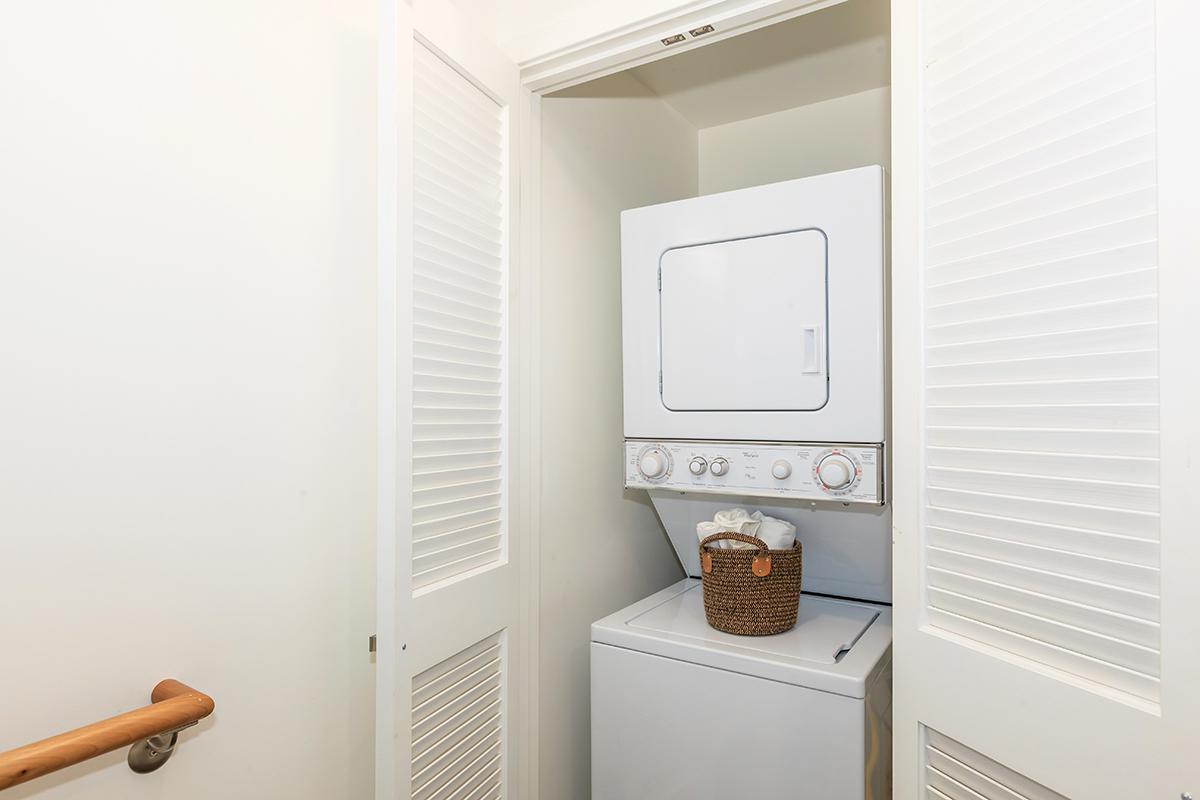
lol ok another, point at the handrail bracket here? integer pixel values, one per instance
(150, 754)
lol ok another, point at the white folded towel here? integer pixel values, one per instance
(706, 529)
(777, 533)
(737, 520)
(732, 519)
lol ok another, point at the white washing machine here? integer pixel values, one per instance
(755, 375)
(682, 710)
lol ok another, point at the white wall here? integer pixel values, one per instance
(187, 196)
(846, 132)
(608, 146)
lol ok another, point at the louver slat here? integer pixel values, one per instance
(1041, 403)
(1118, 546)
(459, 320)
(1133, 632)
(1097, 568)
(1128, 365)
(956, 772)
(1085, 246)
(458, 725)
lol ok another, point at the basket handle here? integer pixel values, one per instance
(760, 566)
(738, 537)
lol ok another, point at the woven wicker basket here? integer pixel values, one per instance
(750, 592)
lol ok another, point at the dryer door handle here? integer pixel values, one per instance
(811, 342)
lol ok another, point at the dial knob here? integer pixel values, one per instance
(835, 471)
(719, 467)
(697, 466)
(781, 469)
(653, 464)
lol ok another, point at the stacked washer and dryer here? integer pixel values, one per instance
(755, 376)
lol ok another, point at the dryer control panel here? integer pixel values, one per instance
(847, 473)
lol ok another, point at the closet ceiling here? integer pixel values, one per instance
(836, 51)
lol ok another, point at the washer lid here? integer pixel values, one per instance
(824, 628)
(836, 645)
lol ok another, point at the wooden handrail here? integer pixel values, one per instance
(173, 705)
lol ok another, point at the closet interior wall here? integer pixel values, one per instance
(606, 146)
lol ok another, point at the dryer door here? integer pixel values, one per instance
(743, 324)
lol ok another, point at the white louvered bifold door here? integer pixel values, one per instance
(1037, 196)
(448, 489)
(459, 339)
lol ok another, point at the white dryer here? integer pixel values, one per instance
(757, 314)
(755, 375)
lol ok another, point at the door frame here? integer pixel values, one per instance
(393, 574)
(642, 42)
(607, 53)
(1177, 71)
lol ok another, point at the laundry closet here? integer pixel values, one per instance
(805, 97)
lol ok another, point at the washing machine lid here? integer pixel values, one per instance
(825, 629)
(837, 645)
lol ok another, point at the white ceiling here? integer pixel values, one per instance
(828, 53)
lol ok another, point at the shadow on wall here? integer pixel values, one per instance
(606, 146)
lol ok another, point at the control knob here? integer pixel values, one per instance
(719, 467)
(835, 471)
(653, 464)
(697, 466)
(781, 469)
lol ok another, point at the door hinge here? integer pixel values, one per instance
(371, 644)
